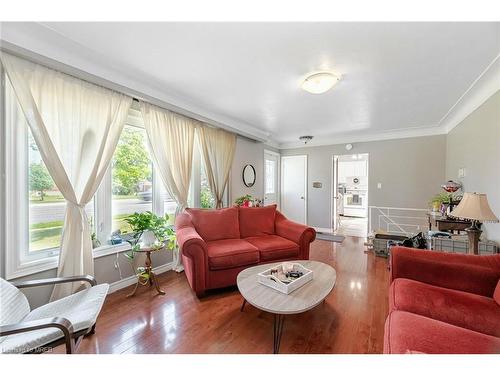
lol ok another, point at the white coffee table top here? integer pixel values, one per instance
(300, 300)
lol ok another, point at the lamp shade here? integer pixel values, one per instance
(474, 206)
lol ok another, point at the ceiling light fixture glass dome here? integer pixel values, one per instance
(318, 83)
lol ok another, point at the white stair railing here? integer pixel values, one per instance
(397, 220)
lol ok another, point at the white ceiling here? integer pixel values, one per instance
(396, 76)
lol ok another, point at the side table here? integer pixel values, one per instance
(148, 276)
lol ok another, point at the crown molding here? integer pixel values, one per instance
(483, 87)
(364, 137)
(43, 45)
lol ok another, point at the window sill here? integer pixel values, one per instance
(50, 263)
(32, 267)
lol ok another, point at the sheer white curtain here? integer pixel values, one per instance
(171, 139)
(76, 126)
(218, 147)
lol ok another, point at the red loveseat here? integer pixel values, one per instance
(217, 244)
(442, 303)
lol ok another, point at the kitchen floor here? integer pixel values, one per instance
(353, 226)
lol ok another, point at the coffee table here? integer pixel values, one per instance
(303, 299)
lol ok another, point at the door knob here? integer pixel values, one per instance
(301, 197)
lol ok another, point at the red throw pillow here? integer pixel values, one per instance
(214, 225)
(496, 293)
(257, 221)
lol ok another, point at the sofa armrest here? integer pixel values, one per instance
(468, 273)
(189, 240)
(194, 250)
(298, 233)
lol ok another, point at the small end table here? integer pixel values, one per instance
(148, 274)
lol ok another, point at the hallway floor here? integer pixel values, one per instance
(353, 226)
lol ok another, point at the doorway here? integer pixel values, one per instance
(294, 187)
(350, 194)
(271, 178)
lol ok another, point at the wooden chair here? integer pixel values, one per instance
(65, 321)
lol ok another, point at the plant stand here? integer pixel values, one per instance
(148, 273)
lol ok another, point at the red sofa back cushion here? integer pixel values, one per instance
(213, 225)
(257, 221)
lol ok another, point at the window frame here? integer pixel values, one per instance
(104, 199)
(16, 231)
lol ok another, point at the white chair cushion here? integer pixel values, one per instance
(14, 305)
(81, 309)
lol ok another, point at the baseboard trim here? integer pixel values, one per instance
(127, 281)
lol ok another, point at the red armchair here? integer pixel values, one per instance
(443, 303)
(217, 244)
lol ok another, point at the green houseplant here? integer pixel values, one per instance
(244, 201)
(142, 222)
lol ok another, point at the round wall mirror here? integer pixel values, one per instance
(248, 175)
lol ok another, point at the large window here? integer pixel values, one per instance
(46, 203)
(35, 208)
(132, 177)
(207, 199)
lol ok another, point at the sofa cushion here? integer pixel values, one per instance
(274, 247)
(462, 309)
(213, 225)
(405, 331)
(224, 254)
(496, 294)
(257, 221)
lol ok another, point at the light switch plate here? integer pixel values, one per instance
(379, 185)
(461, 172)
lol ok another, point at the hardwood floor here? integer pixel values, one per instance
(350, 321)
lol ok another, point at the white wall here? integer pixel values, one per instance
(474, 144)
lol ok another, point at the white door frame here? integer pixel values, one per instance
(333, 187)
(278, 181)
(305, 182)
(333, 192)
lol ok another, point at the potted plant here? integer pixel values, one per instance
(244, 201)
(150, 229)
(440, 201)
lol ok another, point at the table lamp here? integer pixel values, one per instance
(474, 207)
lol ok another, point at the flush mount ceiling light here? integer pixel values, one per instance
(305, 138)
(320, 82)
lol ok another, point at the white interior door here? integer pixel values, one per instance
(271, 177)
(294, 187)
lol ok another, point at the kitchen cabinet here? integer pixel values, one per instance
(354, 168)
